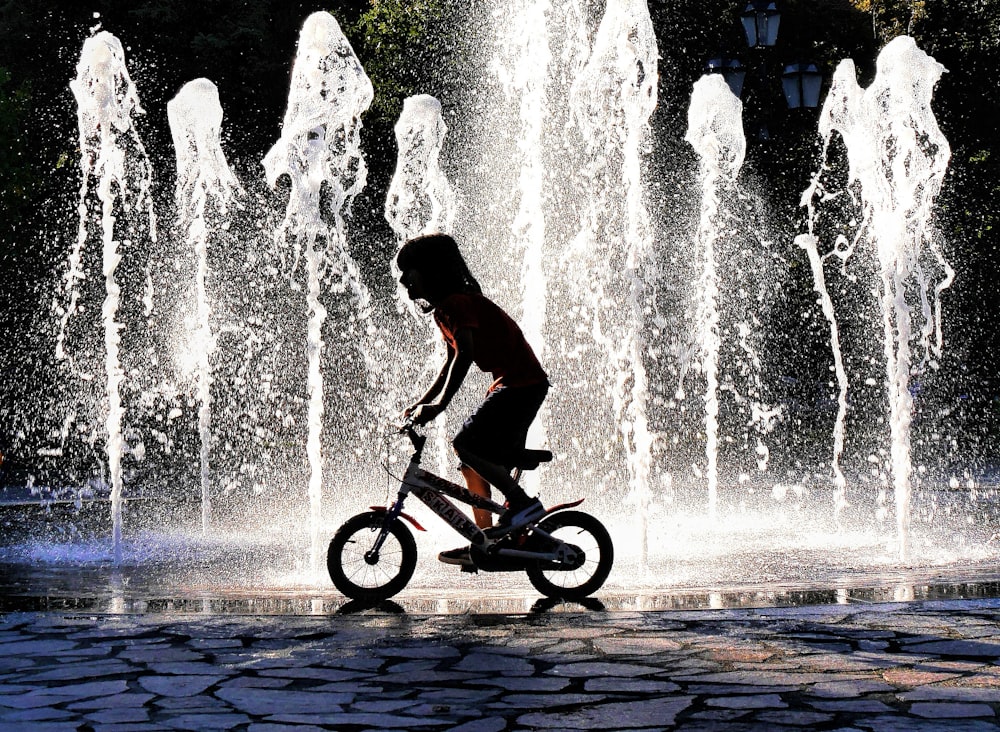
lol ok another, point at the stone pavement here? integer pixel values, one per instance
(890, 666)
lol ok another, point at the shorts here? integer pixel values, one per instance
(498, 429)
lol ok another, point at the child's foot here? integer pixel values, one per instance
(520, 513)
(461, 556)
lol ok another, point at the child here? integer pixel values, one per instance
(476, 331)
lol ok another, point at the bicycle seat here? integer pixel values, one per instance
(531, 459)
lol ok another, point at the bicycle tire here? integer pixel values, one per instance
(362, 578)
(587, 534)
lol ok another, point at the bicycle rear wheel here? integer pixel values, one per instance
(358, 571)
(595, 556)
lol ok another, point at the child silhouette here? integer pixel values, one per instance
(476, 330)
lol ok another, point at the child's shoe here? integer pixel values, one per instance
(519, 514)
(461, 556)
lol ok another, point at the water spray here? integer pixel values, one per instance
(113, 154)
(612, 100)
(320, 150)
(897, 158)
(205, 189)
(421, 201)
(715, 131)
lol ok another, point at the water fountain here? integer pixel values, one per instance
(420, 201)
(320, 151)
(898, 157)
(715, 130)
(612, 100)
(582, 276)
(206, 187)
(420, 198)
(113, 154)
(525, 45)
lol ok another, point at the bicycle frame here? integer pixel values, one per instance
(433, 490)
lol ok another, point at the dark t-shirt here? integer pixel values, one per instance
(499, 346)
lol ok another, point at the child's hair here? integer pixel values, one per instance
(440, 263)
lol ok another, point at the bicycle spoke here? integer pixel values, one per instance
(587, 543)
(357, 568)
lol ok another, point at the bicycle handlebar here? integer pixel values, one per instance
(409, 428)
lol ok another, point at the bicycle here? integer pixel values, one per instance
(566, 554)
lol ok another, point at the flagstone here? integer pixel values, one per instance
(178, 685)
(336, 719)
(660, 712)
(34, 714)
(960, 648)
(794, 717)
(495, 663)
(947, 710)
(940, 692)
(630, 686)
(850, 705)
(726, 670)
(119, 715)
(216, 721)
(265, 701)
(590, 669)
(749, 701)
(849, 688)
(541, 701)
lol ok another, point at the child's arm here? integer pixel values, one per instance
(435, 388)
(448, 381)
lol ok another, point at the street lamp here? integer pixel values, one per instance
(801, 83)
(732, 71)
(760, 23)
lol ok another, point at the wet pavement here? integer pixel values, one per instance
(924, 664)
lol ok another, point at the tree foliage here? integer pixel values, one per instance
(393, 37)
(891, 18)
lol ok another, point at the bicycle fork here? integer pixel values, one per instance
(391, 513)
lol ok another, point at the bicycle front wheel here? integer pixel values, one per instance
(595, 555)
(361, 572)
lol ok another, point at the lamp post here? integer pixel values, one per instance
(732, 71)
(760, 23)
(800, 82)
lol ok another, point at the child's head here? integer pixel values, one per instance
(442, 269)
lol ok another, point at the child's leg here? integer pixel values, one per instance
(478, 485)
(497, 429)
(491, 473)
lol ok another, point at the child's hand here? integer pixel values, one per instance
(423, 413)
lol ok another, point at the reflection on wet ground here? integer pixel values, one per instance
(188, 634)
(104, 588)
(743, 562)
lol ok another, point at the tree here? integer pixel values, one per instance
(891, 18)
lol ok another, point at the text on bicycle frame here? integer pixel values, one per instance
(444, 508)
